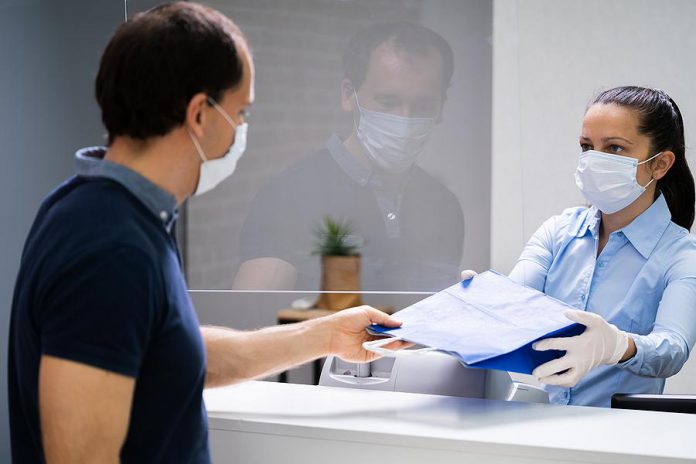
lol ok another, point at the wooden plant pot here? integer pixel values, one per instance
(340, 273)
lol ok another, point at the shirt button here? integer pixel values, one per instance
(391, 216)
(164, 215)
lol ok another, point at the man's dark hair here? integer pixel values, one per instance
(409, 37)
(157, 61)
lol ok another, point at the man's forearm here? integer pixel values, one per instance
(235, 356)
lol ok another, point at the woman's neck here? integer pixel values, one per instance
(615, 221)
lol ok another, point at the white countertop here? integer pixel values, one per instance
(527, 431)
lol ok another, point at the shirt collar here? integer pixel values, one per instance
(646, 230)
(350, 165)
(643, 232)
(590, 221)
(90, 162)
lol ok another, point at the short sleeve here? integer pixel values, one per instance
(101, 309)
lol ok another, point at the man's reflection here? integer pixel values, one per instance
(411, 226)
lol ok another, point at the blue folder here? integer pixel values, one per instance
(488, 322)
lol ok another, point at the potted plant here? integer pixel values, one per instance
(340, 264)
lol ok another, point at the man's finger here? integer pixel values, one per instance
(379, 317)
(398, 345)
(468, 274)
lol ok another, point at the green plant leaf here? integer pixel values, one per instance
(332, 238)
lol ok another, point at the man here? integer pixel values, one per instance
(107, 362)
(410, 225)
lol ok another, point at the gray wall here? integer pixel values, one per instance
(49, 53)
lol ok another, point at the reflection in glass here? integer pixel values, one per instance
(363, 114)
(396, 77)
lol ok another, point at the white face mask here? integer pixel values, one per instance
(609, 181)
(212, 172)
(392, 142)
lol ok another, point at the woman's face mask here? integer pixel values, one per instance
(392, 142)
(609, 181)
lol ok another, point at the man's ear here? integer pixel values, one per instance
(195, 114)
(663, 164)
(348, 102)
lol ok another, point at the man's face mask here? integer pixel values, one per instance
(609, 181)
(212, 172)
(392, 142)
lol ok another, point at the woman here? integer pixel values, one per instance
(628, 262)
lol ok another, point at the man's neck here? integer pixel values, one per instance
(165, 161)
(355, 148)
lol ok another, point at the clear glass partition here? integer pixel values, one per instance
(489, 97)
(487, 100)
(375, 114)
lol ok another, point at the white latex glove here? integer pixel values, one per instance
(600, 343)
(468, 274)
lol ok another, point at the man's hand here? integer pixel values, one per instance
(347, 333)
(234, 356)
(600, 343)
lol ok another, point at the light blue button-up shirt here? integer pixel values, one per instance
(644, 282)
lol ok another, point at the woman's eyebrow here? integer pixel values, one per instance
(607, 139)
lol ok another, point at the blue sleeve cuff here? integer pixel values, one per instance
(635, 363)
(658, 354)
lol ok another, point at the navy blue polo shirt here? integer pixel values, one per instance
(101, 283)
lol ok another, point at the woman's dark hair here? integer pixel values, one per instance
(661, 120)
(409, 37)
(157, 61)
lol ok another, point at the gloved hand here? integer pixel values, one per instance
(468, 274)
(600, 343)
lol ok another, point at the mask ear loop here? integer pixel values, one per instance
(355, 124)
(199, 149)
(222, 111)
(357, 102)
(643, 162)
(650, 159)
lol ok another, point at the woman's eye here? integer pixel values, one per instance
(615, 148)
(585, 147)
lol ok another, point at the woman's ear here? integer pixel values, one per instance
(662, 164)
(195, 116)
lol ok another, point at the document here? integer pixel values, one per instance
(488, 322)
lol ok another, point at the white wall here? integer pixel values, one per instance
(550, 57)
